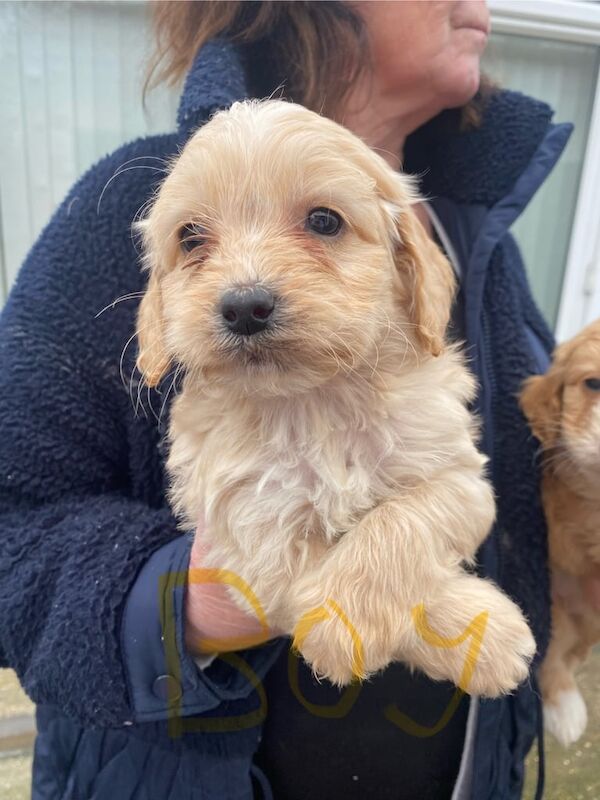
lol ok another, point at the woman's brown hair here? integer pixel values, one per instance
(312, 51)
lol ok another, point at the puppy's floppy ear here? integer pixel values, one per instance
(153, 360)
(429, 278)
(540, 401)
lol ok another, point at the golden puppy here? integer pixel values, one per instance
(563, 407)
(322, 430)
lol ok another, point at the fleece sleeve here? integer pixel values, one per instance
(81, 545)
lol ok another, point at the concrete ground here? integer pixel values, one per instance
(572, 774)
(17, 731)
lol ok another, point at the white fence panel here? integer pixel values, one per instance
(71, 77)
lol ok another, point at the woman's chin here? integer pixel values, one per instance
(461, 85)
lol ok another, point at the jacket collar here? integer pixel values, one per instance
(478, 167)
(216, 80)
(481, 166)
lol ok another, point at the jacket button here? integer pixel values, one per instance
(166, 687)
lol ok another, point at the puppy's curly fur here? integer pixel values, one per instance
(563, 408)
(331, 455)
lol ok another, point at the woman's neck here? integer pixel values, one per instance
(384, 134)
(383, 119)
(384, 123)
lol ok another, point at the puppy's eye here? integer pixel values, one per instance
(192, 236)
(324, 222)
(593, 384)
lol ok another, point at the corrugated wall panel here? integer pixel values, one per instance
(71, 77)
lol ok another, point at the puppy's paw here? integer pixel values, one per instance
(505, 657)
(336, 649)
(566, 716)
(477, 638)
(329, 643)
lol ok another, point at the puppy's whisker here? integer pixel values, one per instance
(134, 233)
(138, 403)
(170, 389)
(130, 296)
(131, 380)
(278, 92)
(375, 345)
(392, 329)
(148, 397)
(128, 384)
(371, 366)
(163, 161)
(121, 360)
(561, 458)
(409, 346)
(340, 364)
(399, 329)
(355, 357)
(180, 369)
(561, 461)
(348, 368)
(127, 343)
(396, 159)
(122, 172)
(143, 209)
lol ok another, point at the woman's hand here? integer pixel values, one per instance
(214, 622)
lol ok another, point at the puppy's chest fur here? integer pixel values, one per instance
(310, 466)
(278, 481)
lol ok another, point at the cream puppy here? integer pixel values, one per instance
(322, 429)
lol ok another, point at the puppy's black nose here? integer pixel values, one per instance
(247, 311)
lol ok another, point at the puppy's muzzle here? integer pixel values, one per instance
(247, 310)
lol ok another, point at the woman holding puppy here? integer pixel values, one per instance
(95, 602)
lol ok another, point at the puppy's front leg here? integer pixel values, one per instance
(358, 610)
(565, 713)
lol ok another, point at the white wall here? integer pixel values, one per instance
(71, 76)
(564, 75)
